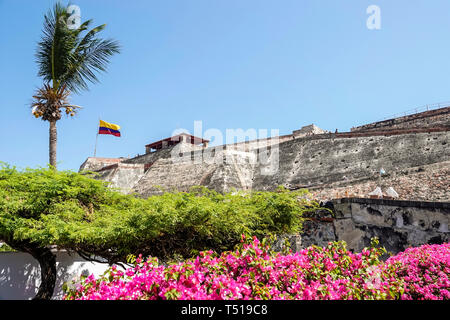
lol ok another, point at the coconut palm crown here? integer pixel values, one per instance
(67, 60)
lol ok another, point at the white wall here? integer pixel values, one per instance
(20, 273)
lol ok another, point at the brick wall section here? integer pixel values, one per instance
(433, 118)
(427, 183)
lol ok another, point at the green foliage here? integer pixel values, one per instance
(5, 248)
(78, 213)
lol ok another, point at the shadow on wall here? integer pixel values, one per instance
(20, 274)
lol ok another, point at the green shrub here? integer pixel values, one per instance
(47, 207)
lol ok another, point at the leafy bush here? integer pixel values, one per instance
(254, 272)
(48, 207)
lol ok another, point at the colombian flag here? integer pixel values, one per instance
(109, 128)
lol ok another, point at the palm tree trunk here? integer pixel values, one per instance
(52, 143)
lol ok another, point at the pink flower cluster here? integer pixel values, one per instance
(253, 271)
(425, 271)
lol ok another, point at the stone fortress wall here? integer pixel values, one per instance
(413, 150)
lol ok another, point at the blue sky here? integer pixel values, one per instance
(232, 64)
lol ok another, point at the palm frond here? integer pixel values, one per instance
(89, 61)
(54, 49)
(88, 37)
(66, 57)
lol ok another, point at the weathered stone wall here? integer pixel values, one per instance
(331, 165)
(151, 156)
(257, 144)
(122, 176)
(397, 224)
(319, 161)
(221, 171)
(413, 150)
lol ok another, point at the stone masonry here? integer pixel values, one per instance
(397, 224)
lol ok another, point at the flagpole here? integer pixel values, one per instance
(95, 150)
(96, 140)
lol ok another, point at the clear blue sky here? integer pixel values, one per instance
(232, 64)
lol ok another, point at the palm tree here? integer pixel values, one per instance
(68, 59)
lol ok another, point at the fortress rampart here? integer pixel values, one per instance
(412, 150)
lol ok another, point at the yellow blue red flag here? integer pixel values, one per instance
(109, 128)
